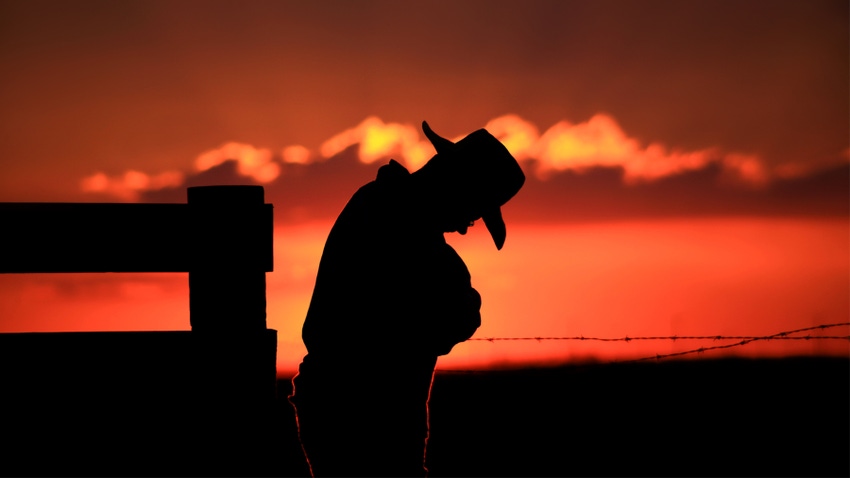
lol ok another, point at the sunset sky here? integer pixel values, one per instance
(688, 162)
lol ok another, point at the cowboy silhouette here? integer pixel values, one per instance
(390, 297)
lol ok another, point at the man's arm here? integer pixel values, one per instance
(450, 311)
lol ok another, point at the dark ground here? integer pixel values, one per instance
(725, 417)
(700, 417)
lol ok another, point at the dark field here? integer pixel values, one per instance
(729, 417)
(702, 417)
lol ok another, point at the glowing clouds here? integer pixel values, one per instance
(255, 163)
(747, 168)
(518, 135)
(295, 155)
(129, 185)
(378, 140)
(801, 169)
(598, 142)
(656, 162)
(251, 162)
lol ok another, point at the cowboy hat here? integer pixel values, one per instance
(484, 166)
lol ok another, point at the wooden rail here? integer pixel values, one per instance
(221, 227)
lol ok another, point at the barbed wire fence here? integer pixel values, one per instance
(741, 340)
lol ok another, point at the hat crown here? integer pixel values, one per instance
(485, 167)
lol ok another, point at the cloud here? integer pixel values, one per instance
(746, 168)
(601, 142)
(296, 154)
(378, 140)
(255, 163)
(518, 135)
(131, 184)
(809, 168)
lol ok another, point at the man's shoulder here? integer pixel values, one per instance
(392, 172)
(378, 208)
(390, 180)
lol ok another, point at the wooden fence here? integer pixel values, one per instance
(194, 402)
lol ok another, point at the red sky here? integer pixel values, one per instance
(687, 161)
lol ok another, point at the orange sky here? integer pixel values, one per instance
(687, 162)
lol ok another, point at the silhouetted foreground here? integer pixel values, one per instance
(199, 402)
(724, 417)
(729, 417)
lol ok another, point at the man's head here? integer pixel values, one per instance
(477, 175)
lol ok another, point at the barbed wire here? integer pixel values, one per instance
(742, 340)
(778, 336)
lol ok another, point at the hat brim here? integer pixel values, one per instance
(496, 226)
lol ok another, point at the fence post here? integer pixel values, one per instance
(231, 252)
